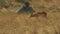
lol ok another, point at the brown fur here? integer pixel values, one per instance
(43, 14)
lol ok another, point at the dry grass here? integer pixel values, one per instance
(14, 23)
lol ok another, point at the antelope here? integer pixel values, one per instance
(43, 14)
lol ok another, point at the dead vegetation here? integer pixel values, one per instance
(13, 23)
